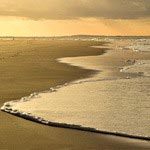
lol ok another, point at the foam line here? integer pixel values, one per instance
(40, 120)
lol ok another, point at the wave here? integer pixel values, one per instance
(29, 116)
(8, 107)
(40, 120)
(142, 45)
(140, 67)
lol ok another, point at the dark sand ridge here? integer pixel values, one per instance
(35, 61)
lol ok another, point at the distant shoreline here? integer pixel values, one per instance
(70, 37)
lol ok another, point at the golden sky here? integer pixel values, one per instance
(68, 17)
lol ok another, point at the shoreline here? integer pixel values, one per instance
(42, 121)
(108, 142)
(7, 108)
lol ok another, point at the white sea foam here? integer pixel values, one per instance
(117, 106)
(94, 105)
(141, 67)
(142, 45)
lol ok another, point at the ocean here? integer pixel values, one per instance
(115, 100)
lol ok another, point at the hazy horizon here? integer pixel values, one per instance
(75, 35)
(87, 17)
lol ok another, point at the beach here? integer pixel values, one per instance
(40, 68)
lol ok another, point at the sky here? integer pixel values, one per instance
(72, 17)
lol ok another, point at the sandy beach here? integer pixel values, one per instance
(37, 63)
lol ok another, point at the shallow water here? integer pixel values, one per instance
(109, 104)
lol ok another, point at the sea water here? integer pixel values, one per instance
(114, 105)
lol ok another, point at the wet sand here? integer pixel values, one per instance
(37, 63)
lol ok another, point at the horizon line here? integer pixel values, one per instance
(75, 35)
